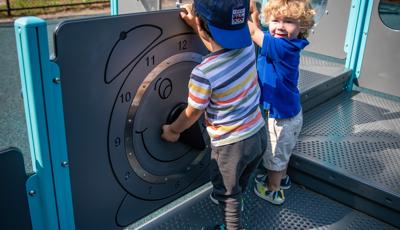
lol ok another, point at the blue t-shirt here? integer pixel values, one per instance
(278, 73)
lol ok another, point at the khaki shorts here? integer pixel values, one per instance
(282, 138)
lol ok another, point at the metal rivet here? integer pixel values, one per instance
(326, 12)
(32, 193)
(64, 164)
(57, 80)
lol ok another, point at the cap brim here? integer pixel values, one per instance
(231, 39)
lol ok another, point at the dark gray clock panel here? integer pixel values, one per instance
(121, 76)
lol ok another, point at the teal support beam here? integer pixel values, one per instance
(360, 14)
(114, 7)
(363, 36)
(48, 190)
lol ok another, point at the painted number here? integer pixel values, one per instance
(150, 60)
(182, 45)
(125, 97)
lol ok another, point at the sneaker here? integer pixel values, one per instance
(286, 183)
(215, 227)
(274, 197)
(215, 201)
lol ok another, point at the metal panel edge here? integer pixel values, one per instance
(58, 147)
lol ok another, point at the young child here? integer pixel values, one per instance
(278, 69)
(225, 86)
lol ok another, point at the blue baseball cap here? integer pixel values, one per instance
(226, 20)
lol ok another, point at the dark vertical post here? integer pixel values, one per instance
(8, 8)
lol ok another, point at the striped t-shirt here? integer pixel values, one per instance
(225, 85)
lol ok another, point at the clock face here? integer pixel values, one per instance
(154, 86)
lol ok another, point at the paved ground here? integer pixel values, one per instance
(12, 117)
(64, 14)
(89, 10)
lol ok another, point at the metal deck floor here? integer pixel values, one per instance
(349, 150)
(303, 209)
(357, 134)
(354, 134)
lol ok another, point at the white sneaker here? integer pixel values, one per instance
(274, 197)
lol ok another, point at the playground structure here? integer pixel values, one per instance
(94, 112)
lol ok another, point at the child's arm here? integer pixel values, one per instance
(191, 20)
(256, 33)
(185, 120)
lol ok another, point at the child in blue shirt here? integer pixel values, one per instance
(278, 70)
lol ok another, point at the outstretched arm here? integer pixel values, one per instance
(185, 120)
(187, 15)
(256, 33)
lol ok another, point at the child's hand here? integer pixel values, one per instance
(187, 16)
(168, 134)
(254, 14)
(254, 25)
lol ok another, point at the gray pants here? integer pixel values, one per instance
(282, 138)
(231, 166)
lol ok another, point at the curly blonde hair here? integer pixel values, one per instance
(298, 9)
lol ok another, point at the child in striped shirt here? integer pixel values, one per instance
(224, 86)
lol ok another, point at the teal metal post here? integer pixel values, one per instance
(114, 7)
(49, 189)
(367, 14)
(356, 35)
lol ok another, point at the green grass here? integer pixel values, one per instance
(54, 6)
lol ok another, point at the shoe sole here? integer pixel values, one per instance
(262, 197)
